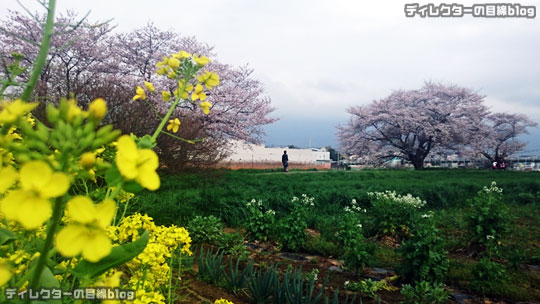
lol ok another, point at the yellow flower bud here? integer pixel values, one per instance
(88, 159)
(98, 108)
(149, 86)
(5, 273)
(166, 96)
(73, 110)
(161, 71)
(201, 61)
(171, 75)
(173, 63)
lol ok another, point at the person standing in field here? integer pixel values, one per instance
(285, 161)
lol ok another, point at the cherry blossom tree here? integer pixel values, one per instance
(499, 136)
(78, 52)
(87, 61)
(411, 124)
(239, 110)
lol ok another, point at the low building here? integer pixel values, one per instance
(245, 155)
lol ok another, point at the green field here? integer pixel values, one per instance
(213, 192)
(224, 194)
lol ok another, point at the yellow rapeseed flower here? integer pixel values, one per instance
(140, 94)
(98, 108)
(174, 124)
(162, 71)
(201, 61)
(73, 110)
(163, 62)
(198, 93)
(173, 63)
(182, 55)
(128, 230)
(11, 110)
(86, 232)
(223, 301)
(8, 176)
(30, 205)
(5, 273)
(166, 96)
(149, 86)
(209, 79)
(30, 120)
(188, 89)
(172, 74)
(88, 159)
(137, 164)
(148, 297)
(205, 107)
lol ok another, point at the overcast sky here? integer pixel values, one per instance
(317, 58)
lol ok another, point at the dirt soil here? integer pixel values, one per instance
(266, 253)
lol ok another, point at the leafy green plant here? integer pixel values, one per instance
(357, 255)
(321, 246)
(259, 223)
(291, 229)
(370, 287)
(299, 289)
(335, 299)
(210, 266)
(425, 292)
(205, 229)
(515, 258)
(488, 219)
(236, 279)
(233, 244)
(393, 213)
(424, 254)
(350, 224)
(487, 275)
(262, 284)
(351, 239)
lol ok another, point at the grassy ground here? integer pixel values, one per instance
(185, 195)
(224, 194)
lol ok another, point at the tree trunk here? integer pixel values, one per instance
(418, 162)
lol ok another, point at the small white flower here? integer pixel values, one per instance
(359, 225)
(490, 237)
(346, 283)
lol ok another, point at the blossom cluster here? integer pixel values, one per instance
(408, 199)
(354, 207)
(492, 188)
(59, 193)
(41, 172)
(183, 68)
(304, 200)
(150, 270)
